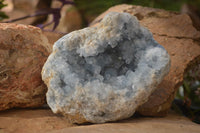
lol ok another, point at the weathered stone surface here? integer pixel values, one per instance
(43, 120)
(23, 51)
(104, 73)
(169, 124)
(31, 121)
(176, 33)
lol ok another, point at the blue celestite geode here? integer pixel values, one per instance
(104, 73)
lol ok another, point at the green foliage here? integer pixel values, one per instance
(2, 4)
(187, 100)
(96, 7)
(2, 14)
(173, 5)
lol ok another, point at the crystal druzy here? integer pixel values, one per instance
(104, 73)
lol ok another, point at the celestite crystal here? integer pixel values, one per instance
(104, 73)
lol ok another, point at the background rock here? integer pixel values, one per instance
(52, 37)
(23, 51)
(21, 8)
(70, 18)
(176, 33)
(193, 12)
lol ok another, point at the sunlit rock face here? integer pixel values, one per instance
(23, 52)
(104, 73)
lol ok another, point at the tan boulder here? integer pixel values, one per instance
(23, 51)
(70, 18)
(176, 33)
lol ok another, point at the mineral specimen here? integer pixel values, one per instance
(177, 34)
(104, 73)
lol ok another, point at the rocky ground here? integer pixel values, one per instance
(43, 120)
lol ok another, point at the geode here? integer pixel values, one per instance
(104, 73)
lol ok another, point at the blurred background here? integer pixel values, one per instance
(82, 12)
(64, 16)
(93, 8)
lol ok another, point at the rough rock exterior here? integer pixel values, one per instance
(23, 51)
(104, 73)
(175, 32)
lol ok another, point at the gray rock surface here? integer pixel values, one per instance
(104, 73)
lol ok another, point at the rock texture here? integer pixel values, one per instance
(23, 51)
(175, 32)
(104, 73)
(43, 120)
(31, 121)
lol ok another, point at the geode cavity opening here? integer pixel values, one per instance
(104, 73)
